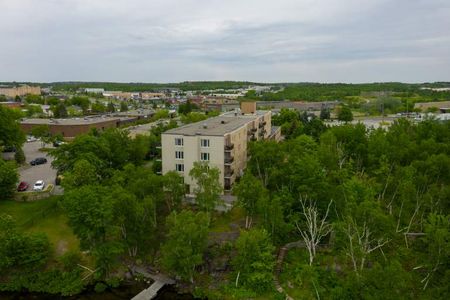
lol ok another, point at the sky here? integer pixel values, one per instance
(255, 40)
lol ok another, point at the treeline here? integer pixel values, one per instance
(340, 91)
(148, 87)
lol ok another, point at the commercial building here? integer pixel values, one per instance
(20, 91)
(70, 128)
(221, 142)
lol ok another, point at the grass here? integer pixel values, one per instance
(221, 222)
(45, 216)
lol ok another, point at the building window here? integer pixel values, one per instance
(178, 142)
(179, 167)
(204, 143)
(179, 154)
(204, 156)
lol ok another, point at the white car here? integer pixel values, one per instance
(31, 138)
(39, 185)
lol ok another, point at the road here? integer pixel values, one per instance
(31, 174)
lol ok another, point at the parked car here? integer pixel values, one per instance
(58, 143)
(39, 185)
(23, 186)
(31, 138)
(38, 161)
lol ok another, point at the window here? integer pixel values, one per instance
(178, 142)
(179, 154)
(204, 143)
(179, 167)
(204, 156)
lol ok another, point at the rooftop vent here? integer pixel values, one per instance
(205, 125)
(222, 122)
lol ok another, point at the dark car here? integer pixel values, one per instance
(38, 161)
(23, 186)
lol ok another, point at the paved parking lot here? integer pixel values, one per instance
(31, 174)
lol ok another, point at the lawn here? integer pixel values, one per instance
(46, 216)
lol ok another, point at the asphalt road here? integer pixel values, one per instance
(31, 174)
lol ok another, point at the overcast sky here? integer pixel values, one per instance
(255, 40)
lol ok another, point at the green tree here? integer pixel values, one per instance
(254, 260)
(110, 107)
(186, 241)
(10, 132)
(42, 132)
(83, 173)
(208, 188)
(325, 114)
(19, 156)
(174, 190)
(249, 191)
(123, 106)
(60, 110)
(345, 114)
(8, 179)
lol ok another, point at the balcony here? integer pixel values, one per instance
(228, 173)
(229, 160)
(229, 147)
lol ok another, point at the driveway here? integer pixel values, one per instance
(31, 174)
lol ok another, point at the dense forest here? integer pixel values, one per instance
(357, 213)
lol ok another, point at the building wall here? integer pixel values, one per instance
(20, 91)
(191, 149)
(71, 131)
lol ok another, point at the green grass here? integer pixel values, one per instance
(45, 216)
(221, 222)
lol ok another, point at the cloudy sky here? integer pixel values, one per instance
(256, 40)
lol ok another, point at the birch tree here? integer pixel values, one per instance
(315, 229)
(360, 244)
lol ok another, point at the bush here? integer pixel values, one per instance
(19, 156)
(100, 287)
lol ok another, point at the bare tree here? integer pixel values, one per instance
(361, 244)
(316, 228)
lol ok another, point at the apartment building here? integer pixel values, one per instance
(20, 91)
(221, 142)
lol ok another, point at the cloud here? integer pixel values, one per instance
(176, 40)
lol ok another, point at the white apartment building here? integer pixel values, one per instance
(219, 141)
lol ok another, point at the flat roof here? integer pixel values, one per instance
(216, 126)
(71, 121)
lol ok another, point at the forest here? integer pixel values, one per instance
(339, 212)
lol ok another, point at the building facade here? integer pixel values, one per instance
(20, 91)
(221, 142)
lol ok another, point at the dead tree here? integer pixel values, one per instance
(316, 228)
(361, 244)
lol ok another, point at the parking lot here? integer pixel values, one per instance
(31, 174)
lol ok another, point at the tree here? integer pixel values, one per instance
(123, 106)
(186, 241)
(90, 212)
(174, 190)
(208, 187)
(42, 132)
(10, 132)
(20, 251)
(315, 228)
(345, 114)
(60, 110)
(110, 107)
(254, 260)
(360, 244)
(83, 173)
(19, 156)
(186, 108)
(325, 114)
(249, 191)
(98, 107)
(8, 179)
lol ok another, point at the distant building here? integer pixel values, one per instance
(70, 128)
(20, 91)
(220, 141)
(94, 90)
(441, 106)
